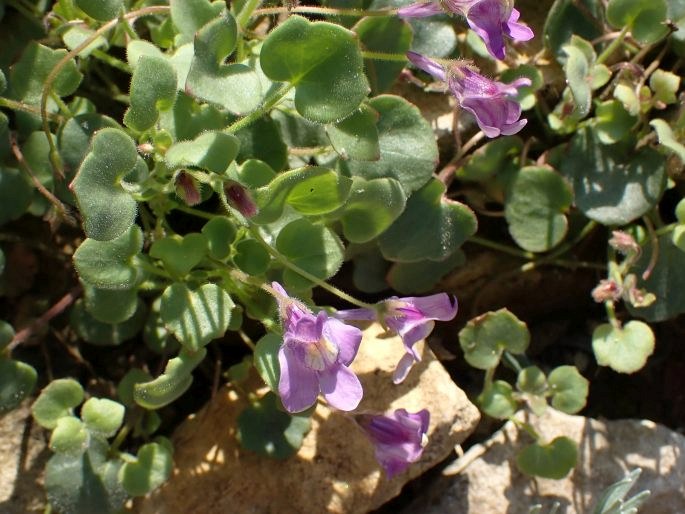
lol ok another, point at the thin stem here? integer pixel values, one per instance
(611, 314)
(512, 361)
(326, 11)
(266, 107)
(246, 339)
(579, 237)
(21, 106)
(526, 427)
(112, 61)
(654, 239)
(245, 14)
(612, 46)
(487, 379)
(316, 280)
(500, 247)
(447, 173)
(52, 76)
(383, 56)
(193, 212)
(57, 309)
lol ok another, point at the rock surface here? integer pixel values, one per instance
(23, 454)
(490, 482)
(334, 470)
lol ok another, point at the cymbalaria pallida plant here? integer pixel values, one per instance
(199, 192)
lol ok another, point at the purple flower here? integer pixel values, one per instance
(413, 318)
(399, 438)
(491, 102)
(315, 356)
(490, 19)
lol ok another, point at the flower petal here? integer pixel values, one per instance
(419, 10)
(485, 18)
(517, 31)
(403, 368)
(298, 385)
(428, 65)
(356, 314)
(341, 387)
(346, 337)
(436, 306)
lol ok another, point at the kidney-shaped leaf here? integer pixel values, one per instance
(153, 89)
(56, 400)
(554, 460)
(624, 349)
(151, 468)
(17, 381)
(211, 151)
(324, 63)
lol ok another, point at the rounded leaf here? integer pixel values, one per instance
(102, 10)
(220, 232)
(251, 257)
(151, 468)
(211, 151)
(497, 400)
(646, 18)
(15, 194)
(531, 380)
(56, 400)
(180, 254)
(624, 349)
(17, 381)
(554, 460)
(266, 359)
(99, 333)
(110, 306)
(485, 337)
(324, 63)
(103, 416)
(69, 436)
(153, 88)
(569, 389)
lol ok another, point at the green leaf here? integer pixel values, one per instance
(612, 122)
(153, 89)
(56, 400)
(409, 152)
(613, 185)
(101, 10)
(76, 35)
(171, 384)
(103, 416)
(665, 86)
(151, 468)
(234, 87)
(431, 227)
(255, 173)
(251, 257)
(180, 254)
(624, 349)
(220, 232)
(491, 158)
(645, 18)
(613, 499)
(189, 15)
(266, 359)
(15, 194)
(211, 151)
(485, 337)
(569, 17)
(577, 69)
(84, 483)
(311, 191)
(69, 436)
(314, 248)
(386, 34)
(554, 460)
(109, 264)
(265, 429)
(99, 333)
(110, 306)
(422, 276)
(535, 205)
(497, 400)
(667, 138)
(373, 205)
(6, 332)
(107, 209)
(126, 385)
(356, 137)
(17, 381)
(156, 335)
(569, 389)
(196, 317)
(532, 380)
(263, 140)
(526, 94)
(27, 77)
(309, 55)
(188, 119)
(73, 140)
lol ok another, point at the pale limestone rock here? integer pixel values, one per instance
(23, 454)
(335, 470)
(490, 483)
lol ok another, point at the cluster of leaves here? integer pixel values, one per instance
(499, 337)
(292, 132)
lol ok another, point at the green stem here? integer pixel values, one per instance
(330, 11)
(316, 280)
(266, 107)
(502, 248)
(245, 14)
(55, 160)
(382, 56)
(512, 361)
(567, 246)
(150, 268)
(612, 46)
(21, 106)
(527, 427)
(193, 212)
(487, 380)
(112, 61)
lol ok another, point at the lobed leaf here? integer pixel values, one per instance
(102, 416)
(56, 400)
(569, 389)
(554, 460)
(212, 151)
(69, 436)
(101, 10)
(153, 89)
(356, 137)
(624, 349)
(151, 468)
(180, 254)
(17, 382)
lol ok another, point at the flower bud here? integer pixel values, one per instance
(240, 199)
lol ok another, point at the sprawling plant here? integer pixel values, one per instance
(223, 159)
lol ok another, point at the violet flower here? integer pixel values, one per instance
(412, 318)
(315, 356)
(492, 20)
(491, 102)
(398, 438)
